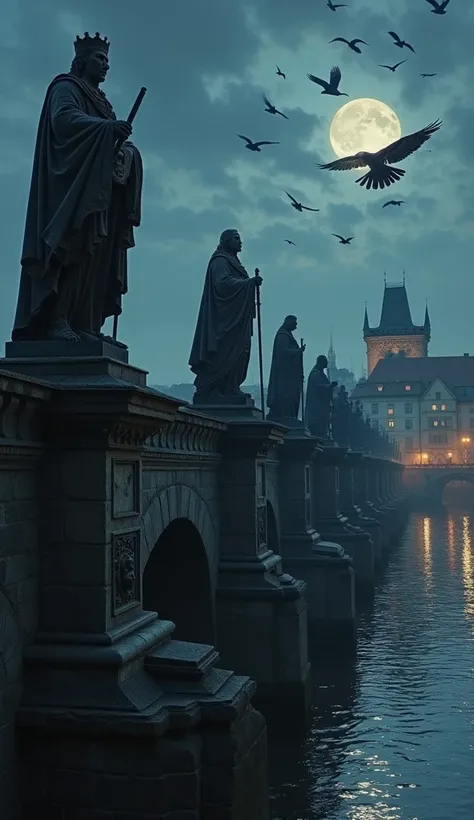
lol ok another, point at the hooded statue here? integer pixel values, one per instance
(84, 202)
(220, 351)
(319, 400)
(285, 383)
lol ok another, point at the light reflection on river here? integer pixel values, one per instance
(392, 731)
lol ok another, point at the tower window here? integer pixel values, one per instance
(434, 406)
(408, 408)
(391, 410)
(408, 424)
(380, 388)
(391, 424)
(437, 395)
(408, 387)
(443, 407)
(375, 409)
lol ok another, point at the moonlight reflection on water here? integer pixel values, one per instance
(392, 731)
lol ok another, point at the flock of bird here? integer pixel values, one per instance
(381, 173)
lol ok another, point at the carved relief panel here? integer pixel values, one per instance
(261, 500)
(125, 570)
(125, 487)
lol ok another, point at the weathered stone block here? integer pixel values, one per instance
(20, 567)
(20, 511)
(24, 485)
(85, 522)
(82, 609)
(6, 485)
(85, 475)
(76, 564)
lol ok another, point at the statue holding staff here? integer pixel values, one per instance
(84, 203)
(220, 352)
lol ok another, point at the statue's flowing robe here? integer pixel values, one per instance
(286, 377)
(220, 351)
(318, 403)
(80, 215)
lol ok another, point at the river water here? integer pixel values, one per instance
(392, 727)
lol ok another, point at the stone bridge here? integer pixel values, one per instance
(427, 482)
(135, 536)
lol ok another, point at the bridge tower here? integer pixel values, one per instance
(396, 335)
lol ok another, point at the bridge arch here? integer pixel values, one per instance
(439, 482)
(180, 562)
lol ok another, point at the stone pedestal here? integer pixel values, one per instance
(261, 611)
(323, 565)
(327, 516)
(115, 716)
(232, 408)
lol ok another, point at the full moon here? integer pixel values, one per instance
(363, 125)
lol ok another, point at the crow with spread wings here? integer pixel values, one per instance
(381, 174)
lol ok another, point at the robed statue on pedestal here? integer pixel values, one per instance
(319, 393)
(220, 351)
(84, 203)
(285, 384)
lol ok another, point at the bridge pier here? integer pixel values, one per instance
(393, 472)
(261, 611)
(116, 716)
(374, 505)
(328, 518)
(323, 565)
(353, 493)
(366, 510)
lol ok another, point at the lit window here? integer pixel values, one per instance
(391, 411)
(408, 387)
(434, 406)
(391, 424)
(443, 407)
(380, 388)
(435, 422)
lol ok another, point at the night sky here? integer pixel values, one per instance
(205, 64)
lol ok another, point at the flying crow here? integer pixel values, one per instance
(381, 173)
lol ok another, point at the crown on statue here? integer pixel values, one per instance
(88, 43)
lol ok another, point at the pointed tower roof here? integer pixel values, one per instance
(395, 318)
(427, 322)
(395, 309)
(366, 320)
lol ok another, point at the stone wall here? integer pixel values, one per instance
(20, 450)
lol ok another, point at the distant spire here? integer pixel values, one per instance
(366, 320)
(427, 322)
(332, 367)
(404, 278)
(385, 277)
